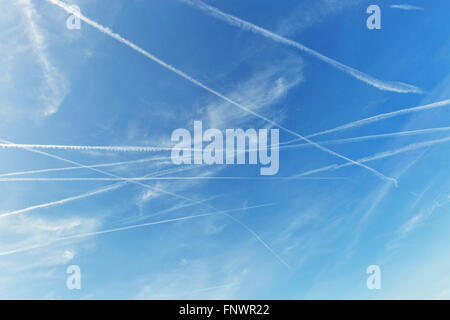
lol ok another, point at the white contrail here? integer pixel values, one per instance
(399, 87)
(119, 38)
(90, 234)
(369, 137)
(283, 145)
(54, 203)
(260, 240)
(377, 156)
(78, 197)
(110, 164)
(160, 179)
(140, 184)
(90, 148)
(405, 7)
(362, 122)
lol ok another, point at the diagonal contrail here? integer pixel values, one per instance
(90, 234)
(133, 46)
(399, 87)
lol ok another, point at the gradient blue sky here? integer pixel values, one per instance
(81, 87)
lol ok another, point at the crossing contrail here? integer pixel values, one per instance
(55, 203)
(145, 186)
(78, 197)
(366, 138)
(399, 87)
(90, 234)
(378, 156)
(133, 46)
(101, 165)
(283, 145)
(160, 179)
(362, 122)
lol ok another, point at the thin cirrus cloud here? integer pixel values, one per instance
(398, 87)
(54, 85)
(182, 74)
(261, 91)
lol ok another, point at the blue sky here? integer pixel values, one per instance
(317, 237)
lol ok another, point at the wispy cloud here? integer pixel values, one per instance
(55, 85)
(420, 217)
(417, 219)
(261, 91)
(237, 22)
(38, 232)
(119, 38)
(310, 12)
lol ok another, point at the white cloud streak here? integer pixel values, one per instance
(133, 46)
(406, 7)
(55, 85)
(245, 25)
